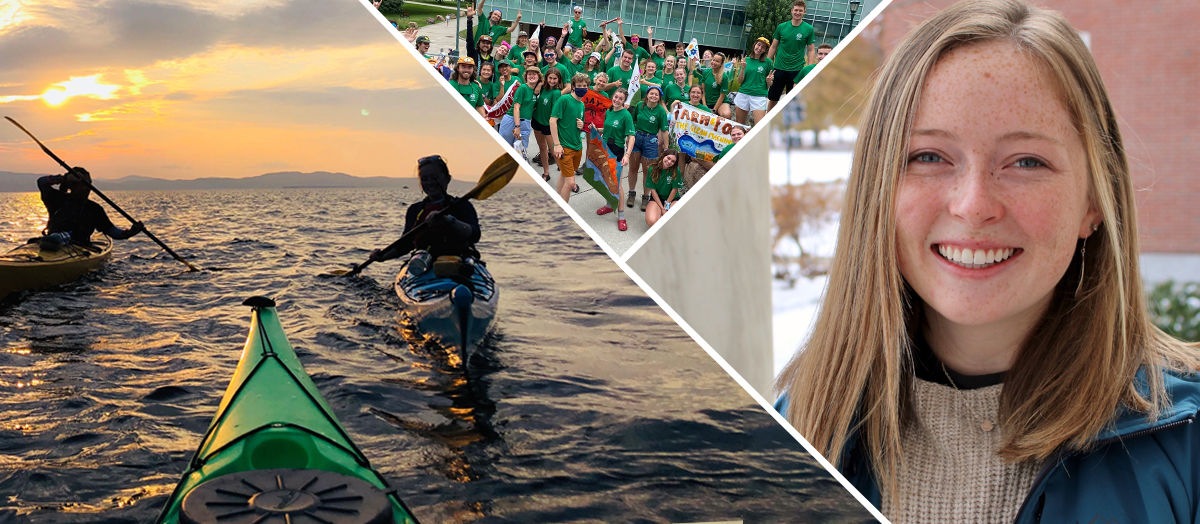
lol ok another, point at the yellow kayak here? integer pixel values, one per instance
(28, 267)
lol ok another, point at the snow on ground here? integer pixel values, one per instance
(821, 166)
(795, 309)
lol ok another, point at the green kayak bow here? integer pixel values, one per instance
(275, 453)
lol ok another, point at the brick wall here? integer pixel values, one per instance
(1149, 55)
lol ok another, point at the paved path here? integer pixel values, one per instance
(443, 35)
(587, 201)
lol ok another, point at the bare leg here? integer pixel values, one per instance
(653, 212)
(759, 114)
(543, 142)
(740, 116)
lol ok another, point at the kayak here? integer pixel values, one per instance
(275, 453)
(455, 311)
(28, 267)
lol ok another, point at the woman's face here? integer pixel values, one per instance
(996, 167)
(669, 62)
(668, 161)
(651, 68)
(618, 100)
(680, 74)
(760, 48)
(531, 78)
(652, 97)
(716, 62)
(694, 96)
(707, 55)
(485, 72)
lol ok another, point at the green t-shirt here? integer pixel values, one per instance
(668, 179)
(658, 61)
(804, 72)
(517, 54)
(486, 27)
(723, 151)
(524, 97)
(655, 80)
(563, 68)
(615, 73)
(545, 105)
(567, 110)
(578, 27)
(754, 82)
(673, 92)
(651, 120)
(503, 88)
(472, 92)
(488, 89)
(618, 125)
(639, 53)
(793, 45)
(713, 90)
(591, 75)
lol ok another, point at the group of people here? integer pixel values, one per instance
(550, 79)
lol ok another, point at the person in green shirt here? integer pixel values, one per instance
(511, 124)
(755, 77)
(793, 41)
(518, 51)
(491, 25)
(736, 135)
(578, 28)
(463, 81)
(618, 134)
(822, 51)
(618, 76)
(695, 99)
(566, 122)
(576, 64)
(551, 61)
(659, 57)
(715, 83)
(668, 68)
(677, 91)
(487, 84)
(650, 127)
(592, 66)
(650, 77)
(530, 61)
(664, 182)
(547, 91)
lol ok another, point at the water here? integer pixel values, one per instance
(588, 405)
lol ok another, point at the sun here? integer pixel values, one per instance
(86, 86)
(55, 96)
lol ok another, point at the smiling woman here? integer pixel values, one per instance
(1003, 347)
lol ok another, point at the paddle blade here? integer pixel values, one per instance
(494, 178)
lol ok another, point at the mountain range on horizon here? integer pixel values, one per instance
(27, 182)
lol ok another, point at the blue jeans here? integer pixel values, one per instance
(506, 130)
(646, 144)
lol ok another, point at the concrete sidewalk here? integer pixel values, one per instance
(442, 37)
(587, 201)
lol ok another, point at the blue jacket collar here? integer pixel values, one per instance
(1183, 392)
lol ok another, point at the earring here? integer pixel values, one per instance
(1082, 259)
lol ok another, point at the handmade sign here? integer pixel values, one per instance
(700, 134)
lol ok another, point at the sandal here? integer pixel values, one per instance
(545, 177)
(575, 188)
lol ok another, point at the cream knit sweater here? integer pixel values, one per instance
(951, 472)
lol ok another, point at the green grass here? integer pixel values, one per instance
(418, 13)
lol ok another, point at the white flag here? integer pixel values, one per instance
(535, 34)
(635, 81)
(693, 49)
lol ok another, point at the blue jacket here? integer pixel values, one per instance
(1138, 471)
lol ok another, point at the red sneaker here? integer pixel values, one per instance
(604, 210)
(621, 225)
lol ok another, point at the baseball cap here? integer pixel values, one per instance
(422, 39)
(466, 60)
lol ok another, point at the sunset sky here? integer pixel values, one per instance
(231, 88)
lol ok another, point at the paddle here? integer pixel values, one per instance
(105, 198)
(494, 178)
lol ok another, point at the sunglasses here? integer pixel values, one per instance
(430, 159)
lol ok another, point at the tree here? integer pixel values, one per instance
(391, 6)
(840, 90)
(764, 16)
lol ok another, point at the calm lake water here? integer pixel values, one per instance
(588, 405)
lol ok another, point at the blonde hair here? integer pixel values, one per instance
(1077, 364)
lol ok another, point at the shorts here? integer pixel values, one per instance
(646, 144)
(569, 162)
(618, 150)
(750, 103)
(784, 82)
(508, 123)
(539, 127)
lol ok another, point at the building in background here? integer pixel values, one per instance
(1147, 54)
(714, 24)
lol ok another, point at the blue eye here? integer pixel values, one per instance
(929, 158)
(1029, 163)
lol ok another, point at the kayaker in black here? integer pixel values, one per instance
(451, 232)
(73, 217)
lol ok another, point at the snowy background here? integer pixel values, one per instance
(795, 308)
